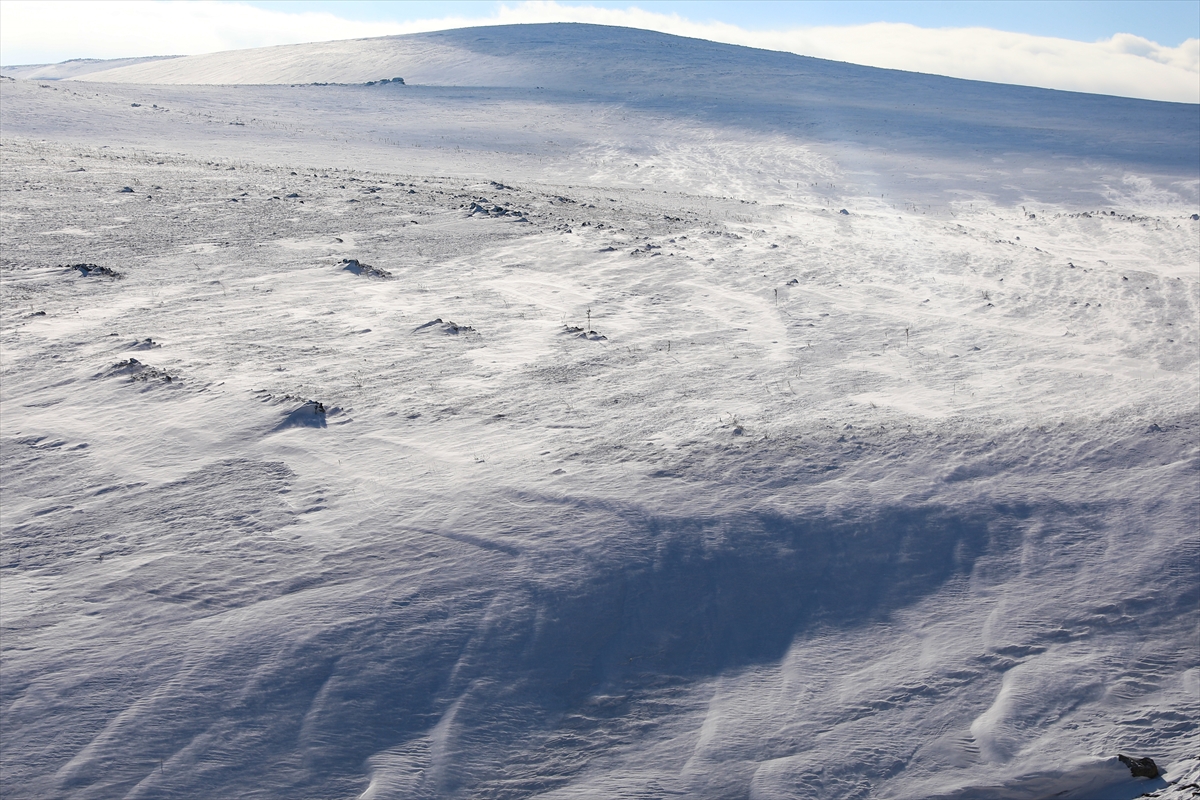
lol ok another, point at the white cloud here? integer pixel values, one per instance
(44, 31)
(1185, 56)
(1123, 65)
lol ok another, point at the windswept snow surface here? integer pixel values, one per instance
(710, 423)
(75, 68)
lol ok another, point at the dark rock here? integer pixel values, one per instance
(491, 210)
(126, 190)
(366, 270)
(447, 327)
(139, 372)
(91, 270)
(1140, 767)
(844, 211)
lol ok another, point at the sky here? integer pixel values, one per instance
(1147, 49)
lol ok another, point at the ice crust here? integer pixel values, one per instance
(897, 503)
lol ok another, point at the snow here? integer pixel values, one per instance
(75, 68)
(900, 503)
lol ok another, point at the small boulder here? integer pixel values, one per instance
(1140, 767)
(366, 270)
(446, 326)
(90, 270)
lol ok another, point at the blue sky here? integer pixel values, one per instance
(1168, 22)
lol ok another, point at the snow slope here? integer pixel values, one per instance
(75, 68)
(899, 502)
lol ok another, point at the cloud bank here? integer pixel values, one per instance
(1125, 65)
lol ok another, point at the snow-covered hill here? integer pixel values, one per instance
(713, 423)
(75, 68)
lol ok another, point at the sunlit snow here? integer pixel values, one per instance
(599, 414)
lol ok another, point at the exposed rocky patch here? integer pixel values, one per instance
(366, 270)
(138, 372)
(484, 208)
(94, 270)
(580, 333)
(1140, 767)
(446, 327)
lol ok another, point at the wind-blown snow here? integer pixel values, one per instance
(696, 486)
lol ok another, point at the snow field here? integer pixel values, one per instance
(893, 503)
